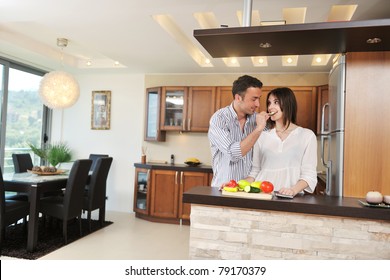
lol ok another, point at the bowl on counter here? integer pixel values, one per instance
(192, 164)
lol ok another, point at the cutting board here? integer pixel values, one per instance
(263, 196)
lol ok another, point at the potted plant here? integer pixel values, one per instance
(53, 154)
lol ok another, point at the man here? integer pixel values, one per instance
(234, 130)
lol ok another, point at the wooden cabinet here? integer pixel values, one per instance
(173, 108)
(224, 97)
(164, 195)
(189, 180)
(158, 191)
(201, 106)
(367, 152)
(152, 115)
(187, 108)
(190, 108)
(141, 191)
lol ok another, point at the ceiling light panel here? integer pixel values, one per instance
(259, 61)
(290, 60)
(169, 25)
(231, 61)
(255, 21)
(294, 15)
(341, 12)
(320, 59)
(206, 20)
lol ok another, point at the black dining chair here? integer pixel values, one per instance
(22, 163)
(95, 195)
(94, 158)
(11, 211)
(68, 206)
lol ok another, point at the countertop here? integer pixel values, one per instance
(177, 167)
(307, 204)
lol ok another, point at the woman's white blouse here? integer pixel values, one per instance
(285, 162)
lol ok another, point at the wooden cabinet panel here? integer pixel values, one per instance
(224, 97)
(189, 180)
(367, 152)
(164, 194)
(201, 106)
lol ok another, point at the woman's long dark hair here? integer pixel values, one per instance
(288, 105)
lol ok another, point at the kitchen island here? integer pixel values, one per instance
(306, 227)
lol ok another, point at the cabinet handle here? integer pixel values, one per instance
(189, 124)
(181, 178)
(176, 177)
(184, 124)
(148, 175)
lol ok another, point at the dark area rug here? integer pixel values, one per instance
(49, 238)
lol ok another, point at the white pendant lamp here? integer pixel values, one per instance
(59, 89)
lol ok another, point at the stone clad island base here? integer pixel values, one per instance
(240, 234)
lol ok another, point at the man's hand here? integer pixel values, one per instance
(261, 120)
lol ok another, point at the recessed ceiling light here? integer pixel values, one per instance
(259, 61)
(231, 61)
(320, 59)
(290, 60)
(88, 63)
(116, 63)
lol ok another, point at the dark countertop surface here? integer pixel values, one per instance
(177, 167)
(306, 204)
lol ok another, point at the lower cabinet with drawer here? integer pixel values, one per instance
(167, 183)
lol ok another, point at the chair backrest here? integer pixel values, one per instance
(2, 198)
(74, 191)
(22, 162)
(97, 184)
(94, 158)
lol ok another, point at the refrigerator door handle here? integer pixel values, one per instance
(328, 178)
(323, 131)
(323, 149)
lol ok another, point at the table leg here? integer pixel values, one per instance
(32, 237)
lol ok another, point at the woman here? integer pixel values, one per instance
(286, 154)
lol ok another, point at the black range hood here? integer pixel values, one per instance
(296, 39)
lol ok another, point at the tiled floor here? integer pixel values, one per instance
(128, 238)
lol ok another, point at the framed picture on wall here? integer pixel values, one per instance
(101, 109)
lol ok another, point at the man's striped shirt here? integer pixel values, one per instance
(225, 136)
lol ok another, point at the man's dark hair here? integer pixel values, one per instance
(243, 83)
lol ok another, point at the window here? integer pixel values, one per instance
(24, 118)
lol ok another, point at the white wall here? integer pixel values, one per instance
(125, 138)
(123, 141)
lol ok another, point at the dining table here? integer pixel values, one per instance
(34, 185)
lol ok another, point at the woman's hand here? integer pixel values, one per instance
(287, 191)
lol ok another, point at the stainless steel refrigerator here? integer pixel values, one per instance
(332, 136)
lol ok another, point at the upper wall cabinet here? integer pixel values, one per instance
(173, 108)
(152, 115)
(201, 106)
(187, 108)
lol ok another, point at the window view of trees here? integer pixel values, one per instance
(24, 116)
